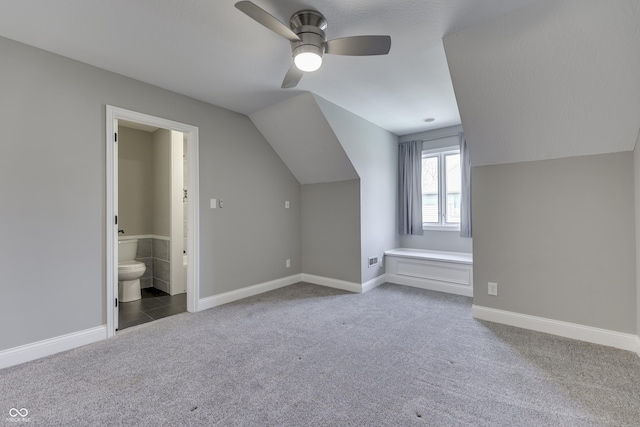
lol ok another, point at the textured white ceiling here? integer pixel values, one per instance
(553, 79)
(210, 51)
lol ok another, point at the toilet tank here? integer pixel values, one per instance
(127, 249)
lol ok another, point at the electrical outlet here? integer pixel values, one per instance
(286, 204)
(288, 263)
(493, 288)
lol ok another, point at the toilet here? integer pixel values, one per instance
(129, 271)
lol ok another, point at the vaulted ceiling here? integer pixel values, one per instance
(211, 51)
(533, 79)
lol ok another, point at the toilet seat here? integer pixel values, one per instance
(130, 265)
(131, 270)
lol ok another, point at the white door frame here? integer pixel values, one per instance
(193, 219)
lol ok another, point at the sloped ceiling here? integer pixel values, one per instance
(553, 79)
(211, 51)
(299, 132)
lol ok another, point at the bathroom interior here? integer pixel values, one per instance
(152, 223)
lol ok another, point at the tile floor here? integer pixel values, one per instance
(155, 304)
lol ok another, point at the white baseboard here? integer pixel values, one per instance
(36, 350)
(249, 291)
(556, 327)
(144, 236)
(227, 297)
(432, 285)
(332, 283)
(374, 283)
(343, 284)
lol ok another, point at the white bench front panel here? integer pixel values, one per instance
(443, 276)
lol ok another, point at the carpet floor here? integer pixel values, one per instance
(307, 355)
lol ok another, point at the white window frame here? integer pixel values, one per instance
(442, 185)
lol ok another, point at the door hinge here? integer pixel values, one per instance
(116, 302)
(115, 137)
(116, 219)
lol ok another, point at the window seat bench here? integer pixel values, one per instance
(450, 272)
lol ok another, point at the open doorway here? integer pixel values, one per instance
(152, 205)
(155, 216)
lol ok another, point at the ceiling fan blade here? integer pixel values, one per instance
(292, 78)
(359, 46)
(263, 17)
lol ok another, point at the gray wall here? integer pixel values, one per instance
(298, 131)
(135, 181)
(374, 154)
(556, 235)
(440, 240)
(331, 230)
(53, 209)
(144, 181)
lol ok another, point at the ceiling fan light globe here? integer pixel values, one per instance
(307, 61)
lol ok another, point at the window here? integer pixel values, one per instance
(441, 186)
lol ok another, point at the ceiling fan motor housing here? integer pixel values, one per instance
(309, 25)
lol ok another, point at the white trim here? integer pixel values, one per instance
(449, 149)
(249, 291)
(426, 227)
(431, 255)
(431, 285)
(556, 327)
(373, 283)
(111, 229)
(144, 236)
(332, 283)
(36, 350)
(191, 133)
(177, 215)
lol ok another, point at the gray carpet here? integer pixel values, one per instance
(306, 355)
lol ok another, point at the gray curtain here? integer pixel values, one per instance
(465, 207)
(410, 187)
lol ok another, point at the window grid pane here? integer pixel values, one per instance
(453, 188)
(430, 190)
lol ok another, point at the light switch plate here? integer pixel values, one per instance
(492, 289)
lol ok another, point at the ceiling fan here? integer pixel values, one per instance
(309, 42)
